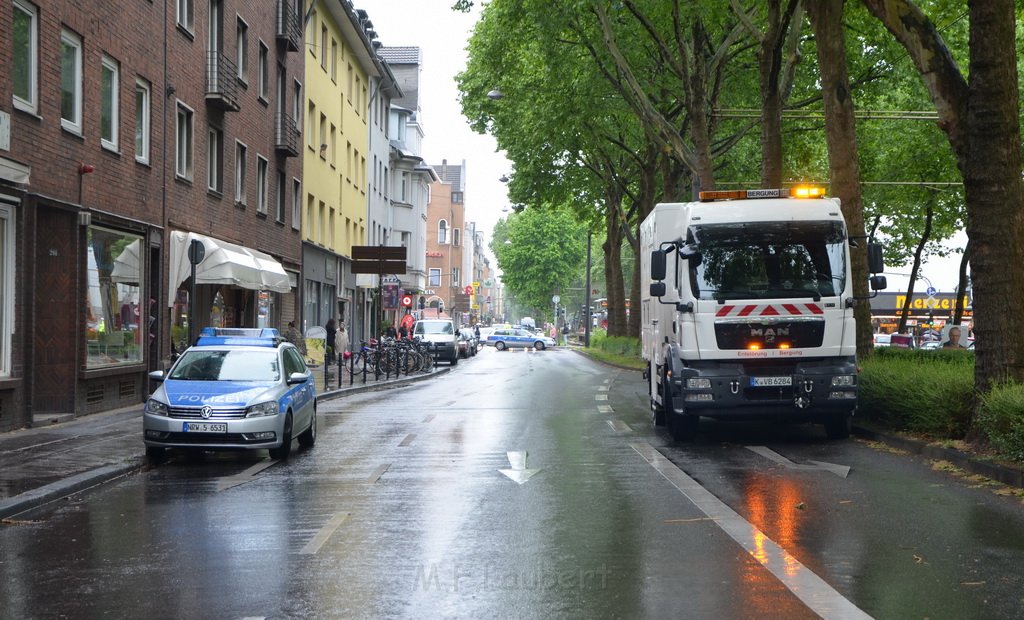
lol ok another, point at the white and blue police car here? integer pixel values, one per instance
(233, 389)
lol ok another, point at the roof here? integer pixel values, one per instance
(401, 55)
(452, 174)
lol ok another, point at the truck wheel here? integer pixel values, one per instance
(838, 426)
(681, 427)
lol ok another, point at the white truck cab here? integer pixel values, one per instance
(747, 309)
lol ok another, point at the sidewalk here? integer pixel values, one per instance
(52, 461)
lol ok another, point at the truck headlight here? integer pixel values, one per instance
(155, 407)
(698, 383)
(262, 409)
(842, 380)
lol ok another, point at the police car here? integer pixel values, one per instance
(234, 389)
(515, 337)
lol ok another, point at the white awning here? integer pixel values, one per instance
(224, 263)
(126, 265)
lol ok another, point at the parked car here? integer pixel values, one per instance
(234, 389)
(441, 339)
(882, 340)
(502, 339)
(468, 342)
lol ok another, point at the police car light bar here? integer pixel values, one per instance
(266, 336)
(800, 191)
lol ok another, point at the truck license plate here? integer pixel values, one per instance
(770, 381)
(204, 427)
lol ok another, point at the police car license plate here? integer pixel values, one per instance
(770, 381)
(204, 427)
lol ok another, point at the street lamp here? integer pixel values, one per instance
(495, 95)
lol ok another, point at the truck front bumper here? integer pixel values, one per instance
(807, 389)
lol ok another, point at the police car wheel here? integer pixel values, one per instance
(155, 453)
(499, 345)
(308, 437)
(538, 345)
(281, 452)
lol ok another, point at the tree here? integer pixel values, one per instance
(540, 252)
(980, 116)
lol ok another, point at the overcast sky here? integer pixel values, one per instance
(443, 34)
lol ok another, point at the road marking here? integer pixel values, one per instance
(600, 397)
(605, 409)
(377, 473)
(325, 532)
(619, 426)
(518, 471)
(429, 418)
(248, 475)
(820, 597)
(840, 470)
(408, 440)
(602, 388)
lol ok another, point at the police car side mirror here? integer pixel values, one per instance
(298, 377)
(157, 375)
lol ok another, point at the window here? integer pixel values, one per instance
(240, 154)
(242, 53)
(435, 277)
(455, 276)
(310, 222)
(214, 158)
(6, 286)
(183, 145)
(261, 184)
(311, 34)
(25, 56)
(142, 120)
(71, 81)
(334, 61)
(282, 195)
(264, 76)
(185, 14)
(109, 78)
(323, 136)
(442, 232)
(115, 267)
(296, 203)
(456, 237)
(323, 46)
(333, 141)
(297, 105)
(311, 131)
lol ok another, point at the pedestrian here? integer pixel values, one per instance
(954, 339)
(329, 343)
(565, 334)
(294, 336)
(403, 332)
(341, 342)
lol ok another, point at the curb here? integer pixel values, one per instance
(380, 385)
(68, 486)
(1006, 474)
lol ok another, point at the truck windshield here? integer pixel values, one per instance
(769, 260)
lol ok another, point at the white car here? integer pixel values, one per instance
(440, 337)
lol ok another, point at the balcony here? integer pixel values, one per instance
(289, 28)
(221, 82)
(286, 135)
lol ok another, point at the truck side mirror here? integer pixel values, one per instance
(657, 266)
(878, 283)
(657, 289)
(876, 264)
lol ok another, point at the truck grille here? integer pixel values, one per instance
(769, 335)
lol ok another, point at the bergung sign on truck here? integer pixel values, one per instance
(747, 309)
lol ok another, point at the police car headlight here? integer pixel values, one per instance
(156, 407)
(262, 409)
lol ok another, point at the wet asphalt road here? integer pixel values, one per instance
(528, 485)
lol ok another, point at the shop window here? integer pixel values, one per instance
(6, 287)
(115, 314)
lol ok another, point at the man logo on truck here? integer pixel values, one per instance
(769, 334)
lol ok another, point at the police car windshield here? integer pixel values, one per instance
(769, 260)
(230, 365)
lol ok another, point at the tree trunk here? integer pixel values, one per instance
(961, 287)
(613, 268)
(901, 327)
(769, 63)
(994, 194)
(840, 135)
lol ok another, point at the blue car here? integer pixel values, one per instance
(234, 389)
(502, 339)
